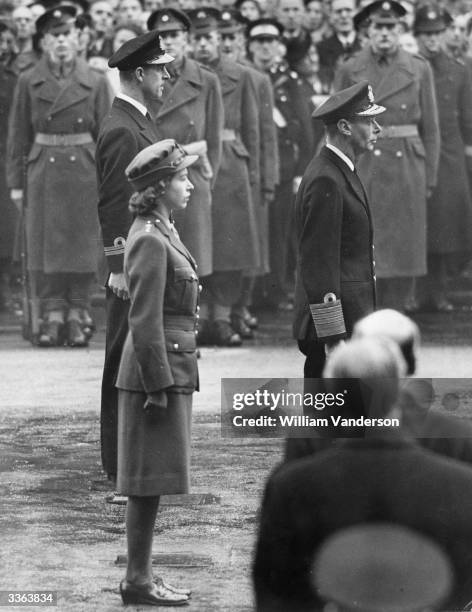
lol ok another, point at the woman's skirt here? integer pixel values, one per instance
(153, 452)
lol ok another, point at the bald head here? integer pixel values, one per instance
(377, 366)
(396, 326)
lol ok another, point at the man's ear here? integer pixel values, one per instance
(139, 73)
(344, 127)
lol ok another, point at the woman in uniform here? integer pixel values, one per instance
(158, 370)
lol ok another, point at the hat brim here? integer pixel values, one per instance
(188, 161)
(162, 59)
(372, 111)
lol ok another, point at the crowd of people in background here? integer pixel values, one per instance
(287, 56)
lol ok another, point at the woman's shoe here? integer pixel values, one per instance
(150, 594)
(75, 334)
(50, 334)
(241, 327)
(171, 587)
(224, 335)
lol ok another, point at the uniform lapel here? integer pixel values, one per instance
(146, 127)
(228, 75)
(351, 177)
(74, 90)
(187, 87)
(388, 80)
(174, 240)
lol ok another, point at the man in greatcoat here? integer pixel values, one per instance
(9, 214)
(56, 113)
(335, 283)
(191, 111)
(295, 143)
(235, 239)
(127, 129)
(232, 46)
(401, 173)
(449, 208)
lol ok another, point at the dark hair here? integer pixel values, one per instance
(132, 26)
(144, 202)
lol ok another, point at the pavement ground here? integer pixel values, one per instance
(59, 533)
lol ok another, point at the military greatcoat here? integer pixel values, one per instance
(61, 215)
(449, 209)
(190, 110)
(399, 171)
(235, 239)
(9, 215)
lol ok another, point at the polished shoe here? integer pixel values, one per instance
(443, 305)
(240, 327)
(50, 334)
(250, 320)
(178, 590)
(75, 334)
(224, 335)
(150, 594)
(88, 326)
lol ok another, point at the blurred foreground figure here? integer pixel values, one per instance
(381, 477)
(381, 567)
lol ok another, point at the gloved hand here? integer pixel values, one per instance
(200, 148)
(156, 404)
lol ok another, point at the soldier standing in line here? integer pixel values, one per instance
(401, 173)
(235, 239)
(56, 113)
(191, 111)
(127, 129)
(295, 142)
(233, 46)
(449, 208)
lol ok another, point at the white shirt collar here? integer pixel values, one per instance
(340, 154)
(141, 108)
(347, 38)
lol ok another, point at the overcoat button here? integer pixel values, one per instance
(176, 346)
(200, 288)
(399, 154)
(198, 308)
(377, 152)
(80, 120)
(72, 158)
(403, 106)
(52, 160)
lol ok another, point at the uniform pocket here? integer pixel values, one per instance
(186, 282)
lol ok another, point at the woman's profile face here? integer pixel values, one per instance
(178, 191)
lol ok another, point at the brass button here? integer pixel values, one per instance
(52, 160)
(377, 152)
(176, 346)
(80, 120)
(399, 154)
(72, 158)
(197, 316)
(198, 308)
(403, 106)
(200, 288)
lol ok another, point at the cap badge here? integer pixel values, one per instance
(57, 14)
(165, 18)
(226, 16)
(201, 15)
(386, 6)
(432, 15)
(370, 94)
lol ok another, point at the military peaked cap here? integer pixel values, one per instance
(56, 19)
(231, 21)
(168, 20)
(143, 50)
(380, 11)
(430, 19)
(204, 19)
(265, 28)
(355, 101)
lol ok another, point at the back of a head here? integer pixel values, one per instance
(376, 364)
(395, 326)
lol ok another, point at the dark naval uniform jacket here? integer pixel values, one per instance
(160, 349)
(355, 482)
(124, 133)
(335, 251)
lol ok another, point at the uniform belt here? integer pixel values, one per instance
(63, 140)
(182, 322)
(399, 131)
(228, 134)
